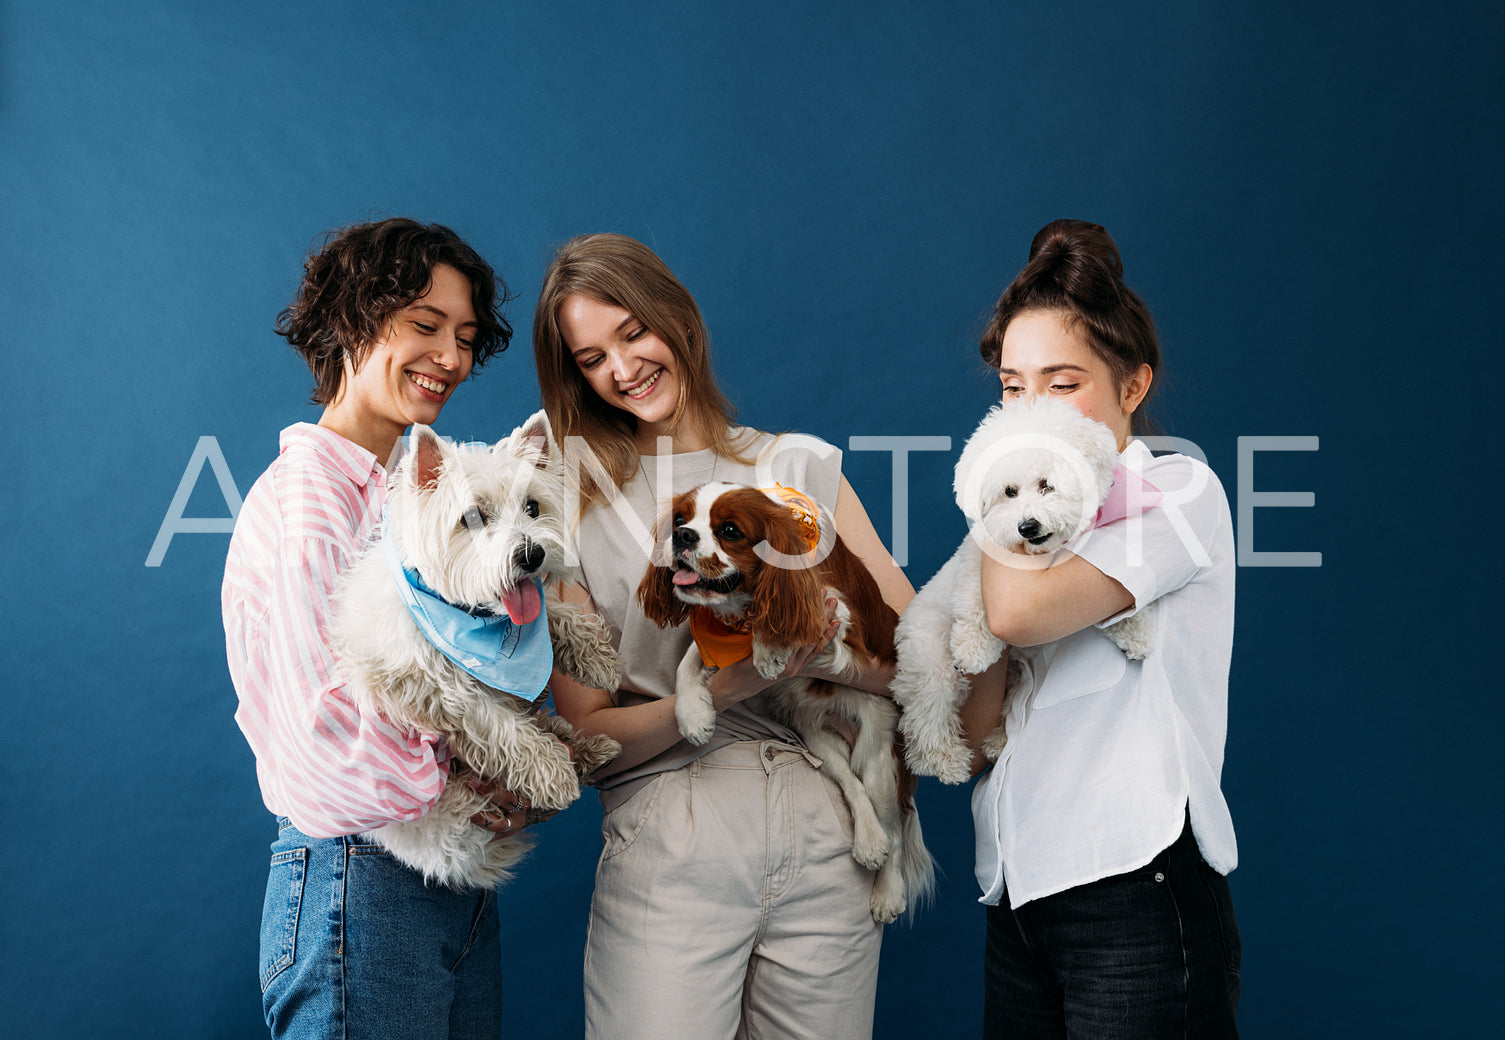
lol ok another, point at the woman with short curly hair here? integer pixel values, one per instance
(391, 317)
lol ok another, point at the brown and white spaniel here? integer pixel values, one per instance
(751, 570)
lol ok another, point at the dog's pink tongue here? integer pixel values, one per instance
(685, 576)
(523, 603)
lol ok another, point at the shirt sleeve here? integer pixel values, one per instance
(324, 764)
(1161, 550)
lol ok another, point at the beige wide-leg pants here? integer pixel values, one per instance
(727, 904)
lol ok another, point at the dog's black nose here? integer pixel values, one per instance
(528, 557)
(684, 538)
(1029, 527)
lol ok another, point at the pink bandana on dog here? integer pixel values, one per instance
(1130, 495)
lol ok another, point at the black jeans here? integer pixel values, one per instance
(1152, 953)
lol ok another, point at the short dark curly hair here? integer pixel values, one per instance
(365, 273)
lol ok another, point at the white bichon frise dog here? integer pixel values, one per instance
(437, 628)
(1032, 477)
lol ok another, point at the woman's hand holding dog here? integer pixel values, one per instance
(737, 682)
(509, 812)
(647, 728)
(871, 677)
(744, 680)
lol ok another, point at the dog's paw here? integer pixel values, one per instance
(549, 778)
(869, 843)
(598, 667)
(886, 903)
(974, 649)
(948, 761)
(993, 743)
(591, 753)
(770, 660)
(696, 718)
(935, 754)
(582, 647)
(1132, 636)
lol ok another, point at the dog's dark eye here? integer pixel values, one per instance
(1045, 488)
(728, 532)
(531, 508)
(679, 521)
(1011, 492)
(472, 519)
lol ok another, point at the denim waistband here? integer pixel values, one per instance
(285, 825)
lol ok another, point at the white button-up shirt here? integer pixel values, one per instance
(1104, 754)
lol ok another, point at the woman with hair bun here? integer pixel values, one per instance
(1103, 838)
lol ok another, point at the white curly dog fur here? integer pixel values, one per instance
(478, 523)
(1031, 477)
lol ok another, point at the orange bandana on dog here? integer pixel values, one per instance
(722, 643)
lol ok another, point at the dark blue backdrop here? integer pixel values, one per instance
(1307, 194)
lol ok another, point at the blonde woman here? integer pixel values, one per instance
(727, 902)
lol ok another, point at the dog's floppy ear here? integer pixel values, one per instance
(656, 594)
(427, 458)
(787, 607)
(972, 469)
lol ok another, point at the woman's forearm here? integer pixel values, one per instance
(650, 727)
(1034, 600)
(644, 730)
(982, 711)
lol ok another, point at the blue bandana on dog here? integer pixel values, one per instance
(515, 659)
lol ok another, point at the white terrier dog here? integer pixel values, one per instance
(1032, 478)
(472, 532)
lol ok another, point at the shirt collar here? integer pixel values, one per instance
(1130, 494)
(1136, 455)
(351, 459)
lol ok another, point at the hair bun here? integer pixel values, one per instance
(1074, 267)
(1078, 238)
(1077, 259)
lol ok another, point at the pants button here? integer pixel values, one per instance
(770, 753)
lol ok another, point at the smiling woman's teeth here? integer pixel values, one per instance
(430, 385)
(641, 390)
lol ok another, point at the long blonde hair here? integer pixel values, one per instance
(622, 272)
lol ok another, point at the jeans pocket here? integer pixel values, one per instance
(279, 913)
(624, 820)
(1222, 898)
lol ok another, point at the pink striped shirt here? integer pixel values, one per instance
(320, 761)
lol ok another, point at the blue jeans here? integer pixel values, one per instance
(1153, 953)
(355, 945)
